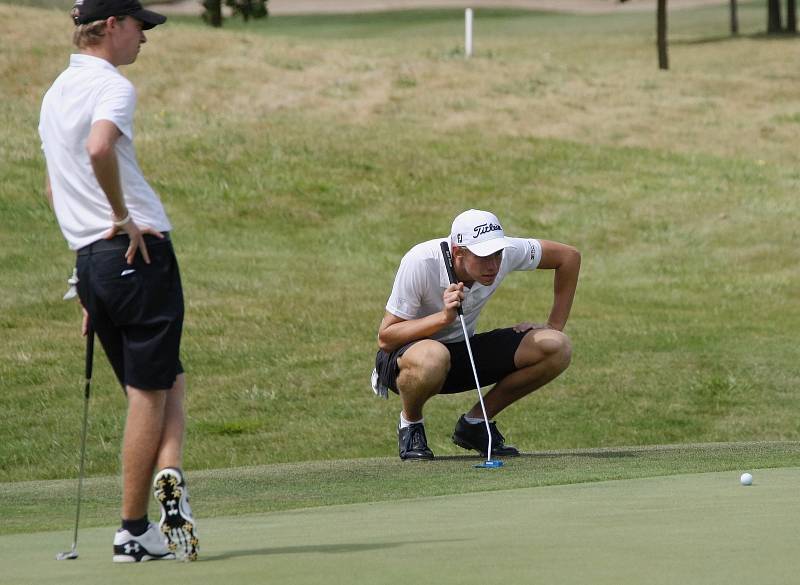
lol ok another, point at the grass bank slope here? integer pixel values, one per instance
(301, 157)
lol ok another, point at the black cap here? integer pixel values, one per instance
(86, 11)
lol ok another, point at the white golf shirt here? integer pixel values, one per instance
(92, 89)
(422, 279)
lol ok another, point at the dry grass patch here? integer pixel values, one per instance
(531, 77)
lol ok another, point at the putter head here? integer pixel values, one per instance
(490, 464)
(67, 556)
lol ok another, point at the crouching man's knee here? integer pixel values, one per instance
(426, 362)
(545, 345)
(559, 347)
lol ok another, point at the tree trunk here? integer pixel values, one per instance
(661, 34)
(791, 16)
(774, 17)
(735, 19)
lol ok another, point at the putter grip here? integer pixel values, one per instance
(448, 264)
(89, 352)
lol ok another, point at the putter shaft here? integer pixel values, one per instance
(478, 388)
(73, 554)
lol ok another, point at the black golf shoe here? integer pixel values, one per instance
(413, 443)
(474, 437)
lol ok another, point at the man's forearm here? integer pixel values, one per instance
(101, 147)
(106, 170)
(564, 286)
(398, 334)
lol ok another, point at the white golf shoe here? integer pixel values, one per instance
(149, 546)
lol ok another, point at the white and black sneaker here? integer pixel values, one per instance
(177, 522)
(148, 546)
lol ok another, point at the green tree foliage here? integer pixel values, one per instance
(247, 9)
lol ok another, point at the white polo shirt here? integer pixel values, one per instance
(422, 279)
(92, 89)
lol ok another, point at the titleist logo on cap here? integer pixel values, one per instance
(485, 228)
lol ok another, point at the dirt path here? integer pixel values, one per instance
(287, 7)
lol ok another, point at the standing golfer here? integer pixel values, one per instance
(129, 284)
(422, 350)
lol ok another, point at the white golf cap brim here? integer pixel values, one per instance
(489, 247)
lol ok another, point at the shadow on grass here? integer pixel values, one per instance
(760, 36)
(474, 457)
(582, 454)
(593, 453)
(316, 548)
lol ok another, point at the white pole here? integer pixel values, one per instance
(468, 33)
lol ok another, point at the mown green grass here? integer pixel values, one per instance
(298, 161)
(693, 529)
(290, 486)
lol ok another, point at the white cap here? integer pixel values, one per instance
(479, 231)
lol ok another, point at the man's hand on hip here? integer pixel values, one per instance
(136, 235)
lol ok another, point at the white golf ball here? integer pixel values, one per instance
(746, 479)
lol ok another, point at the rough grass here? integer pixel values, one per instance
(300, 158)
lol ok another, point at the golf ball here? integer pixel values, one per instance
(746, 479)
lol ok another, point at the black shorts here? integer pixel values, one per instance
(136, 310)
(492, 351)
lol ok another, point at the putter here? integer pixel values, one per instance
(448, 263)
(73, 553)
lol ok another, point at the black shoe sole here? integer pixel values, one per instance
(123, 557)
(179, 531)
(469, 447)
(431, 458)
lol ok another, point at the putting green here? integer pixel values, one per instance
(686, 529)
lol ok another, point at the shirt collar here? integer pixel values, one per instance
(82, 60)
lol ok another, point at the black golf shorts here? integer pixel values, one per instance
(492, 351)
(136, 310)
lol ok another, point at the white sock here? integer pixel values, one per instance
(473, 421)
(405, 423)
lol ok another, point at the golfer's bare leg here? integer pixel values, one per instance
(541, 356)
(423, 369)
(170, 452)
(140, 446)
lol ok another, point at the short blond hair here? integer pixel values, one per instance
(89, 34)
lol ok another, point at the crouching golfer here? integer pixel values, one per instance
(129, 284)
(422, 350)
